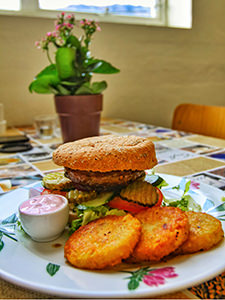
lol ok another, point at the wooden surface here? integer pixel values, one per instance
(203, 119)
(177, 153)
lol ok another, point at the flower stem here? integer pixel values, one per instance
(49, 58)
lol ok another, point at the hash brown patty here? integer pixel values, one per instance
(103, 243)
(205, 232)
(164, 229)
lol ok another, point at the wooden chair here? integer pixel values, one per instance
(202, 119)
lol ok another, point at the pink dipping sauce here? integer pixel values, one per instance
(42, 204)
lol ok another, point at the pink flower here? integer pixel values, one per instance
(60, 42)
(157, 276)
(38, 44)
(194, 185)
(152, 280)
(167, 272)
(57, 27)
(85, 22)
(49, 33)
(62, 14)
(98, 28)
(68, 25)
(55, 33)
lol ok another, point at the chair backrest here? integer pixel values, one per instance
(202, 119)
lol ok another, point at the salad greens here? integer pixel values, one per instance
(186, 202)
(87, 214)
(97, 208)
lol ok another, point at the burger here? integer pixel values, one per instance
(104, 175)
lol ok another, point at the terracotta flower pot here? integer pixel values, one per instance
(79, 116)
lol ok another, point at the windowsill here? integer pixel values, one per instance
(99, 18)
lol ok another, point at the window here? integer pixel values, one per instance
(10, 4)
(133, 8)
(170, 13)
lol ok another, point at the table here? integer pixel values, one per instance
(178, 153)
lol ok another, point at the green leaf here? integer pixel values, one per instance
(62, 90)
(136, 277)
(65, 59)
(73, 40)
(186, 203)
(11, 219)
(1, 241)
(187, 186)
(92, 64)
(99, 87)
(44, 84)
(133, 284)
(177, 187)
(43, 81)
(49, 70)
(1, 245)
(104, 67)
(71, 83)
(95, 88)
(85, 89)
(10, 236)
(52, 269)
(223, 199)
(221, 207)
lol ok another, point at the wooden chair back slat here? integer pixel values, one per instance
(202, 119)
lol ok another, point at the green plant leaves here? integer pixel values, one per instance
(88, 88)
(52, 269)
(98, 87)
(72, 71)
(73, 41)
(102, 67)
(65, 63)
(45, 81)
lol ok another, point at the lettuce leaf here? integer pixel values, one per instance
(86, 215)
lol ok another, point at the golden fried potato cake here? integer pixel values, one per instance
(103, 242)
(205, 232)
(164, 229)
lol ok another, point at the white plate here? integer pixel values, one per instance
(24, 262)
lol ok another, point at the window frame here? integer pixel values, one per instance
(30, 8)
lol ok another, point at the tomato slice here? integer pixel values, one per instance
(58, 192)
(120, 203)
(160, 197)
(132, 207)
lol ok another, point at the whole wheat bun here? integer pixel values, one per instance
(107, 153)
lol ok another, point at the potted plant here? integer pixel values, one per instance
(78, 101)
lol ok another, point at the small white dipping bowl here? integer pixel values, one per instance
(44, 217)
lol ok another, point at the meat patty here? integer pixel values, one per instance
(102, 181)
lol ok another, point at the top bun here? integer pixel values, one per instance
(107, 153)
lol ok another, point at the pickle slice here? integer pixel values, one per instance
(56, 181)
(78, 197)
(141, 192)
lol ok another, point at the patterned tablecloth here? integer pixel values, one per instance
(182, 154)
